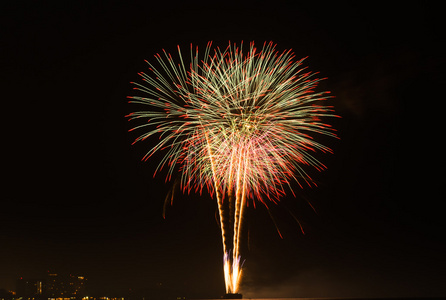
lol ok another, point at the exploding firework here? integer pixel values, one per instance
(238, 123)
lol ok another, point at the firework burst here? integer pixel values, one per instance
(239, 123)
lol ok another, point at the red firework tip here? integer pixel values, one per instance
(300, 225)
(302, 59)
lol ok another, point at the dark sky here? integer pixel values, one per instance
(77, 199)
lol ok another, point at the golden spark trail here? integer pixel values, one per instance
(240, 204)
(231, 269)
(220, 210)
(237, 218)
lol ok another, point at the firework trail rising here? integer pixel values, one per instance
(238, 123)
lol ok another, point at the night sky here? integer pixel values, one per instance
(77, 199)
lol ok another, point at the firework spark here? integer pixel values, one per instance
(239, 123)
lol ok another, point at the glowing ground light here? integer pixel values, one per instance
(239, 123)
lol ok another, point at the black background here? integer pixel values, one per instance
(77, 199)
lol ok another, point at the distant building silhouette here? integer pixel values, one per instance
(7, 295)
(53, 287)
(29, 288)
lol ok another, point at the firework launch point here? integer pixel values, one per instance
(232, 296)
